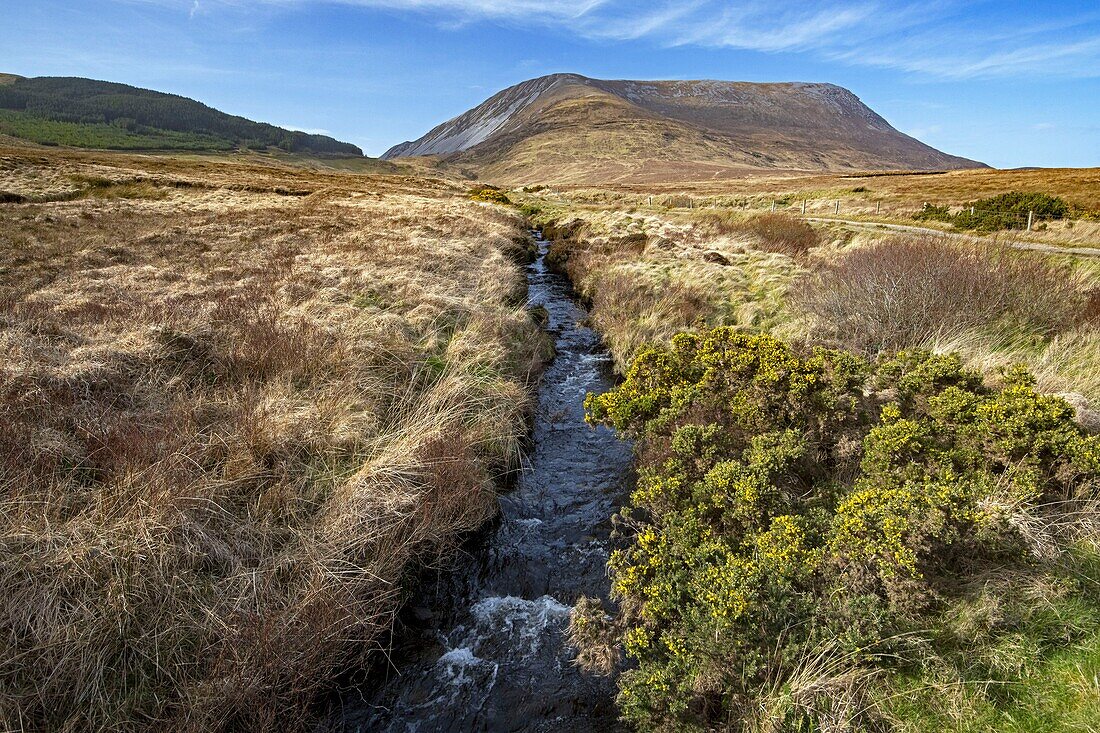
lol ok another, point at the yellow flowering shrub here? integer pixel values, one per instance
(791, 496)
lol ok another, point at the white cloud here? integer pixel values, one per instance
(947, 39)
(775, 30)
(953, 56)
(535, 11)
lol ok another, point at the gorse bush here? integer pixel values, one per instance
(908, 290)
(934, 212)
(1005, 211)
(801, 512)
(489, 194)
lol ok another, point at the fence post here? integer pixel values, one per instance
(1030, 215)
(837, 211)
(972, 211)
(773, 206)
(878, 208)
(803, 207)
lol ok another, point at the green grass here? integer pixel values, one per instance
(1021, 655)
(1061, 694)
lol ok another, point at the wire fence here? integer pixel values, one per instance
(1008, 218)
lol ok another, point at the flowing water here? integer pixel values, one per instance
(487, 651)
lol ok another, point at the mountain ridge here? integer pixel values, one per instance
(571, 126)
(89, 113)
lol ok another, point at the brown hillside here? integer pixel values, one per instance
(568, 128)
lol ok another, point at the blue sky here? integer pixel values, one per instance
(1007, 82)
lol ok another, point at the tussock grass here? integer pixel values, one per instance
(231, 421)
(1021, 649)
(993, 306)
(905, 291)
(649, 277)
(780, 233)
(1066, 363)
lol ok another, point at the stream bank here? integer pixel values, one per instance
(486, 651)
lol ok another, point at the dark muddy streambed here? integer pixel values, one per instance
(486, 650)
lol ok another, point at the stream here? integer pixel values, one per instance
(486, 650)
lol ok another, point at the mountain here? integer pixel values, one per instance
(99, 114)
(567, 127)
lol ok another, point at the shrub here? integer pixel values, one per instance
(783, 233)
(1004, 211)
(489, 194)
(530, 210)
(907, 290)
(773, 232)
(932, 212)
(795, 502)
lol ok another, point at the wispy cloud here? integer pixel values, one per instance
(537, 11)
(946, 39)
(948, 54)
(771, 29)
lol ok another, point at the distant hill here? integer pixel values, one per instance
(567, 127)
(98, 114)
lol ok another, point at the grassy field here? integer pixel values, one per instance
(890, 198)
(242, 397)
(239, 401)
(743, 602)
(652, 271)
(1082, 185)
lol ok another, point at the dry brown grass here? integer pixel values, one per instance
(1078, 185)
(232, 417)
(871, 197)
(770, 232)
(649, 277)
(905, 291)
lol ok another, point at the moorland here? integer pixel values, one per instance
(245, 397)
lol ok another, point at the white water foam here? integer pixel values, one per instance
(524, 620)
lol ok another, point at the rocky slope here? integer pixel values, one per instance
(571, 128)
